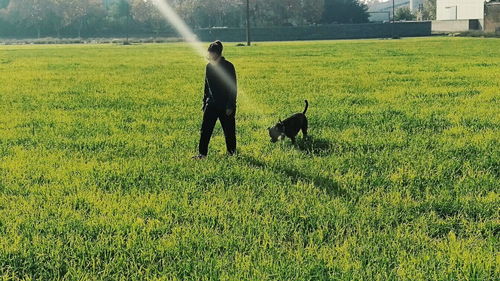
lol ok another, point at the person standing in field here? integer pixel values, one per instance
(219, 100)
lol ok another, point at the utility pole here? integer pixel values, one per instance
(393, 19)
(393, 12)
(248, 23)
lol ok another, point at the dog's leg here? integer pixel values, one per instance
(304, 128)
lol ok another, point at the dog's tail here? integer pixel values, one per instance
(307, 106)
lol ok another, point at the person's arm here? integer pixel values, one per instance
(233, 89)
(207, 90)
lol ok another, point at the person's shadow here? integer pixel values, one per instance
(326, 184)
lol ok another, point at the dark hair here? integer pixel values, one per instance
(216, 47)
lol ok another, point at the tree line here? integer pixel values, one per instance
(105, 18)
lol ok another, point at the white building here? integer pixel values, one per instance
(459, 9)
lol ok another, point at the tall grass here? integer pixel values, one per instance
(399, 180)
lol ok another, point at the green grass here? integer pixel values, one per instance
(400, 180)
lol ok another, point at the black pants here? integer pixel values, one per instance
(228, 125)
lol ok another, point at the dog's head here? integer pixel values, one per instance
(276, 131)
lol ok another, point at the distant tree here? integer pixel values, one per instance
(145, 11)
(120, 17)
(404, 13)
(4, 4)
(3, 20)
(120, 13)
(77, 12)
(209, 13)
(186, 9)
(312, 10)
(429, 10)
(30, 13)
(290, 12)
(213, 11)
(345, 11)
(301, 12)
(287, 12)
(57, 15)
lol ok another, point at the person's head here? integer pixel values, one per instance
(215, 51)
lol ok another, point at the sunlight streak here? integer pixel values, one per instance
(187, 34)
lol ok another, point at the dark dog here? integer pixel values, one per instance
(290, 127)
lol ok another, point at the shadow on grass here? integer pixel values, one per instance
(314, 146)
(328, 185)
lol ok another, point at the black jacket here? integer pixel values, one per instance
(221, 90)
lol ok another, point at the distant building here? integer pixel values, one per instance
(466, 15)
(492, 17)
(451, 15)
(460, 9)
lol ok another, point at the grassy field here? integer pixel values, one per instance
(399, 181)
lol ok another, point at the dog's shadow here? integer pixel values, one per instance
(328, 185)
(314, 146)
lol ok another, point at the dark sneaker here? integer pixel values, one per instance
(199, 157)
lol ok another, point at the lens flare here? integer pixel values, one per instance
(173, 18)
(183, 29)
(169, 13)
